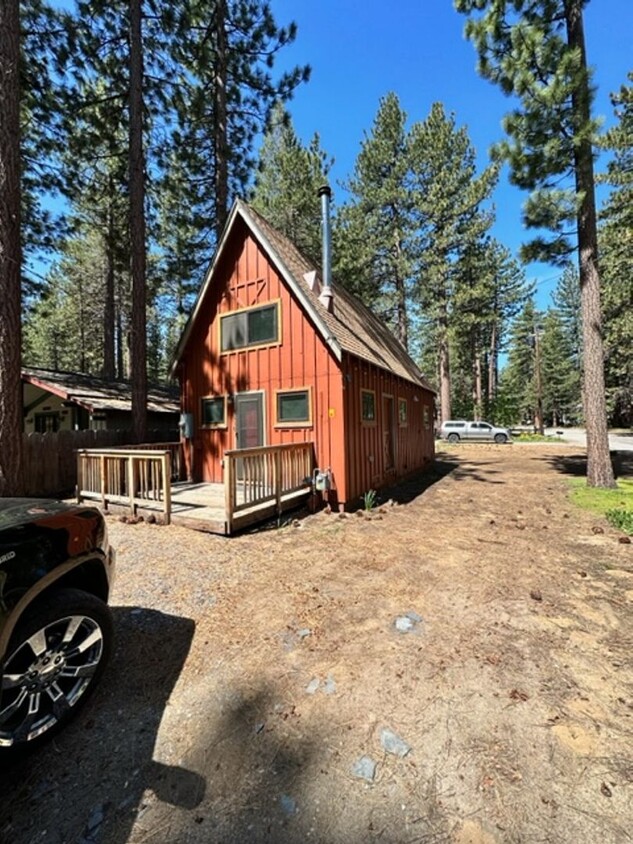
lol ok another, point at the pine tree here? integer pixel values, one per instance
(616, 249)
(11, 480)
(521, 380)
(41, 110)
(94, 166)
(373, 232)
(566, 299)
(535, 50)
(491, 291)
(559, 374)
(64, 329)
(121, 58)
(138, 240)
(224, 92)
(287, 183)
(447, 196)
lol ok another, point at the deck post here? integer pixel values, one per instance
(80, 469)
(167, 485)
(131, 483)
(229, 492)
(103, 481)
(278, 482)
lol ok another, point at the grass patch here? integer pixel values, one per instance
(616, 505)
(536, 438)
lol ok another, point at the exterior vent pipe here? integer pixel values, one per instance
(326, 295)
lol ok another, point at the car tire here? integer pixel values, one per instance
(453, 438)
(501, 438)
(55, 658)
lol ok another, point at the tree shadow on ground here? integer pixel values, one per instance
(575, 465)
(249, 769)
(101, 766)
(269, 778)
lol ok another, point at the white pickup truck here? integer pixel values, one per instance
(457, 430)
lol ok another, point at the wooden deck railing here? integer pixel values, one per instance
(125, 476)
(175, 453)
(255, 476)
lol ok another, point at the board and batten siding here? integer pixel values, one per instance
(245, 277)
(414, 443)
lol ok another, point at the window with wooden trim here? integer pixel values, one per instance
(368, 405)
(403, 413)
(213, 411)
(250, 327)
(293, 408)
(426, 414)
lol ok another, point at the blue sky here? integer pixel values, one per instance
(359, 51)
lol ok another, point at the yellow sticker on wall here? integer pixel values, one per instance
(331, 413)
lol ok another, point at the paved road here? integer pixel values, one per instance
(578, 436)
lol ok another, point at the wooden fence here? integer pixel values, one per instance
(50, 464)
(256, 476)
(125, 476)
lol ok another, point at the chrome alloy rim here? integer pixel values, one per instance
(46, 675)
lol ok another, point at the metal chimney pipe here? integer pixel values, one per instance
(326, 296)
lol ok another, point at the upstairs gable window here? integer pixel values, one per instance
(250, 327)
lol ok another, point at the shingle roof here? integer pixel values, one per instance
(97, 393)
(350, 327)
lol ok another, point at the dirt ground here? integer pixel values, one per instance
(482, 619)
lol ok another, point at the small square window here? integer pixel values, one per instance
(213, 412)
(293, 408)
(368, 405)
(403, 417)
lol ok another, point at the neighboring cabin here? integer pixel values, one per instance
(264, 361)
(71, 401)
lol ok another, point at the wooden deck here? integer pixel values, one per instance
(260, 483)
(202, 507)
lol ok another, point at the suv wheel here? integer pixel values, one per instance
(501, 438)
(453, 438)
(55, 657)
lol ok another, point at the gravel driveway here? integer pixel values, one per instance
(455, 668)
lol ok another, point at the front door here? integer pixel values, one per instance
(249, 420)
(388, 432)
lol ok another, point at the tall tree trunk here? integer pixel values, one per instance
(539, 425)
(220, 127)
(444, 362)
(599, 469)
(108, 369)
(11, 470)
(138, 344)
(120, 352)
(492, 366)
(477, 381)
(401, 297)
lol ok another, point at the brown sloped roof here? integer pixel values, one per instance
(97, 393)
(356, 328)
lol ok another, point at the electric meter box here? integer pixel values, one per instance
(322, 481)
(186, 425)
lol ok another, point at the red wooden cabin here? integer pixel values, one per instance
(264, 360)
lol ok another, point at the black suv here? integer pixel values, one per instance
(56, 571)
